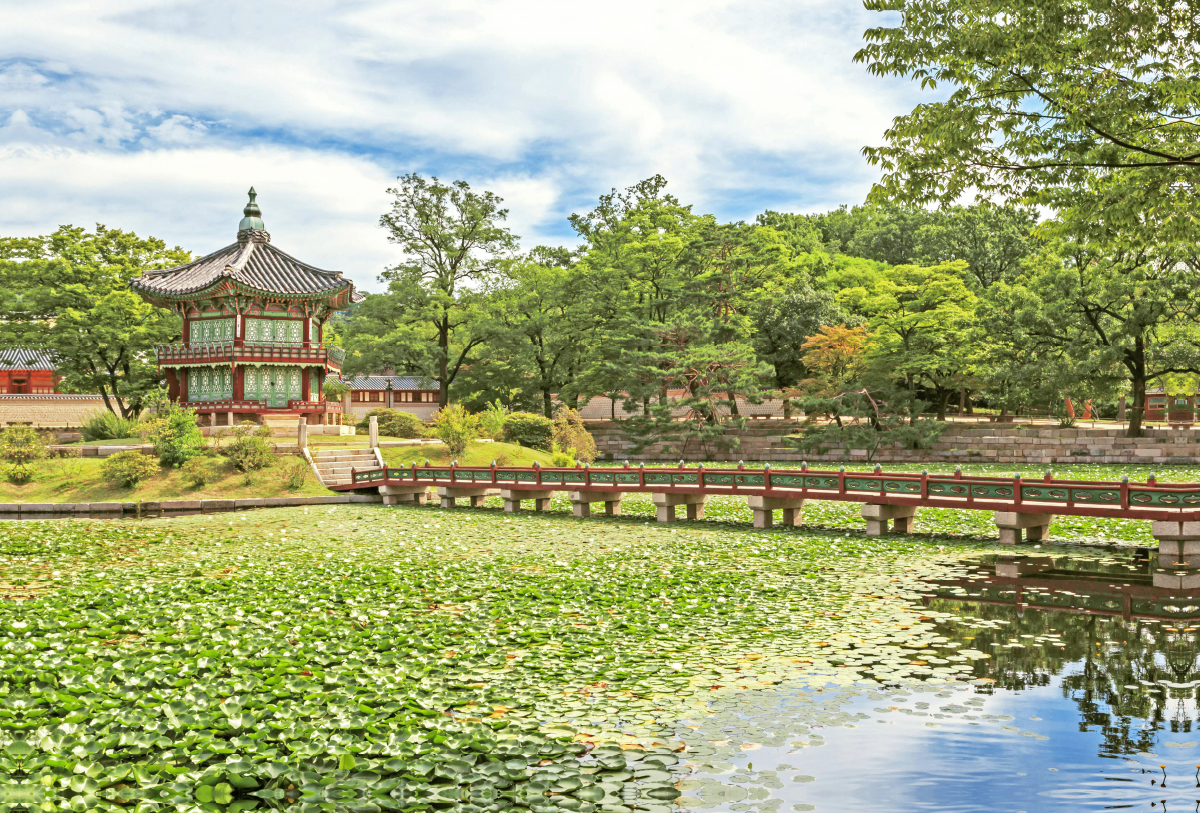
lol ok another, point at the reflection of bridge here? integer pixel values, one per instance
(1044, 583)
(1020, 505)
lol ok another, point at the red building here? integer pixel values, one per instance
(27, 372)
(1177, 408)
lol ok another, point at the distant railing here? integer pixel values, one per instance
(248, 353)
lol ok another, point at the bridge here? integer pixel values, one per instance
(1023, 508)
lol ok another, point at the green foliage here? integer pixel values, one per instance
(864, 420)
(492, 419)
(127, 469)
(396, 423)
(572, 437)
(431, 320)
(68, 293)
(295, 473)
(334, 389)
(175, 435)
(22, 448)
(249, 448)
(108, 426)
(456, 427)
(561, 457)
(198, 472)
(527, 429)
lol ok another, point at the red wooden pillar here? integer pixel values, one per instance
(239, 383)
(183, 385)
(172, 385)
(304, 382)
(187, 330)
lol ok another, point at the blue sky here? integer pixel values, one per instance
(156, 116)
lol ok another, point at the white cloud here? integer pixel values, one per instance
(741, 106)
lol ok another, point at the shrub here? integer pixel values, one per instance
(105, 425)
(197, 473)
(456, 428)
(127, 469)
(295, 473)
(22, 448)
(250, 448)
(491, 421)
(175, 435)
(571, 437)
(527, 429)
(395, 423)
(560, 457)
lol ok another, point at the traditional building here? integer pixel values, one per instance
(27, 372)
(253, 320)
(406, 393)
(1177, 408)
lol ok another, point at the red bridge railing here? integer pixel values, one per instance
(1148, 500)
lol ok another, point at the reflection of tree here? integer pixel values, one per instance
(1110, 653)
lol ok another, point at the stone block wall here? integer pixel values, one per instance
(969, 443)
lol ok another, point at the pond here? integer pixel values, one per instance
(362, 659)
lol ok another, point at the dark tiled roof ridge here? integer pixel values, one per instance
(26, 358)
(254, 264)
(399, 382)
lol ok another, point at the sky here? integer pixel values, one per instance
(156, 116)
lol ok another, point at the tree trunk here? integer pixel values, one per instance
(443, 364)
(1139, 408)
(943, 400)
(733, 407)
(547, 404)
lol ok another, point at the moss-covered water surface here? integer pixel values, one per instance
(366, 659)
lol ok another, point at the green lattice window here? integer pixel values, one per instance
(210, 384)
(201, 331)
(276, 331)
(275, 385)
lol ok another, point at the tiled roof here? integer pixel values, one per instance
(254, 263)
(399, 382)
(23, 358)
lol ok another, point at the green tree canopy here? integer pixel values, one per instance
(68, 294)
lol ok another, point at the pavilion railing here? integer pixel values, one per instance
(248, 353)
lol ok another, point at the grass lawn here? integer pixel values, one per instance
(134, 441)
(361, 659)
(78, 479)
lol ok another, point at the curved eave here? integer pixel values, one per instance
(227, 285)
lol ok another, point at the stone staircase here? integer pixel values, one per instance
(334, 465)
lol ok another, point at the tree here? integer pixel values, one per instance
(68, 294)
(1081, 105)
(1091, 311)
(785, 316)
(835, 352)
(429, 321)
(920, 324)
(992, 240)
(864, 419)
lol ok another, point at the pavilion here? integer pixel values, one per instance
(253, 321)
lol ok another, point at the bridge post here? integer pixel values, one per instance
(877, 517)
(1178, 543)
(450, 494)
(581, 502)
(665, 502)
(1012, 523)
(764, 507)
(373, 425)
(512, 499)
(409, 494)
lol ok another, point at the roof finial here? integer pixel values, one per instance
(253, 216)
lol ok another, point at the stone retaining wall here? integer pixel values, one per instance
(154, 508)
(990, 443)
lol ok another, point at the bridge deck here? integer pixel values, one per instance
(1147, 501)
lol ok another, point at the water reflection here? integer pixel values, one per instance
(1063, 683)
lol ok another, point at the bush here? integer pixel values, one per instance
(527, 429)
(105, 425)
(127, 469)
(22, 448)
(492, 419)
(456, 428)
(250, 448)
(295, 473)
(175, 435)
(561, 458)
(197, 473)
(395, 423)
(571, 437)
